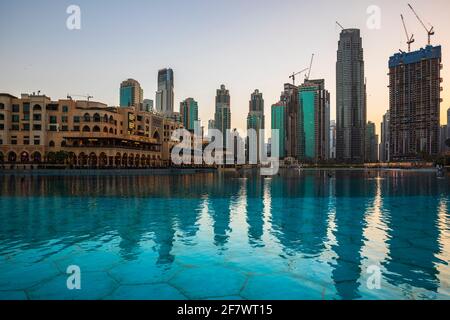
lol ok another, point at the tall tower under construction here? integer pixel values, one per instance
(414, 103)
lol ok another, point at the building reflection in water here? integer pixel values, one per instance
(397, 220)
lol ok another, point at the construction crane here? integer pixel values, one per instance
(430, 31)
(340, 25)
(310, 67)
(88, 97)
(296, 74)
(409, 39)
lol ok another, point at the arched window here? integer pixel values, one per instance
(96, 129)
(96, 117)
(111, 131)
(12, 156)
(36, 157)
(87, 117)
(51, 144)
(37, 107)
(111, 119)
(105, 118)
(63, 143)
(105, 130)
(86, 129)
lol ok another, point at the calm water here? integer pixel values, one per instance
(209, 236)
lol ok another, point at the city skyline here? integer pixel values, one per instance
(245, 63)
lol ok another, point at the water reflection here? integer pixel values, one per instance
(397, 219)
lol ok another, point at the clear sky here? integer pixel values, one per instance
(244, 44)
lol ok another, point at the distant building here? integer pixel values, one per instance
(279, 115)
(385, 139)
(290, 99)
(189, 113)
(414, 103)
(371, 143)
(211, 125)
(222, 116)
(147, 105)
(314, 121)
(333, 139)
(255, 118)
(443, 131)
(131, 94)
(165, 93)
(350, 98)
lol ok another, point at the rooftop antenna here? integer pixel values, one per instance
(430, 31)
(409, 39)
(340, 25)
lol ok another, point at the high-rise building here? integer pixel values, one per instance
(279, 117)
(189, 113)
(131, 94)
(222, 117)
(211, 125)
(333, 139)
(442, 138)
(255, 118)
(350, 98)
(385, 138)
(414, 103)
(290, 98)
(314, 121)
(165, 94)
(147, 105)
(371, 143)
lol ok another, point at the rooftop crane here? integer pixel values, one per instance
(409, 39)
(88, 97)
(310, 67)
(430, 31)
(296, 74)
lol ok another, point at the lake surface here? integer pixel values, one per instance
(211, 236)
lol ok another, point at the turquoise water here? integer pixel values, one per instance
(209, 236)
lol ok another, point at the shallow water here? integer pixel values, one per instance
(209, 236)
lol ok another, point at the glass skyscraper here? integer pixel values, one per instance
(222, 116)
(131, 94)
(189, 113)
(279, 113)
(165, 93)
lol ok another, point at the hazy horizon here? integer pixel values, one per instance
(245, 45)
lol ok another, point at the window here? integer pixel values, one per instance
(2, 106)
(2, 116)
(53, 119)
(15, 127)
(65, 109)
(1, 141)
(13, 141)
(64, 119)
(2, 126)
(37, 107)
(26, 127)
(15, 118)
(51, 144)
(26, 108)
(26, 141)
(37, 127)
(15, 108)
(52, 128)
(87, 117)
(37, 142)
(37, 117)
(26, 117)
(65, 128)
(76, 128)
(76, 119)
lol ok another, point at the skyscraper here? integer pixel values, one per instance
(371, 143)
(279, 115)
(314, 121)
(255, 118)
(414, 103)
(385, 138)
(350, 98)
(131, 94)
(290, 98)
(165, 94)
(189, 113)
(147, 105)
(333, 139)
(222, 117)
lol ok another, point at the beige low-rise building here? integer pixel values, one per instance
(34, 130)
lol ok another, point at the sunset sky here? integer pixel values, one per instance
(244, 44)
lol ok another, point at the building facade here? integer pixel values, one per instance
(189, 113)
(314, 121)
(222, 116)
(131, 94)
(414, 104)
(371, 143)
(34, 130)
(350, 98)
(385, 139)
(332, 140)
(290, 98)
(147, 105)
(279, 115)
(165, 94)
(255, 118)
